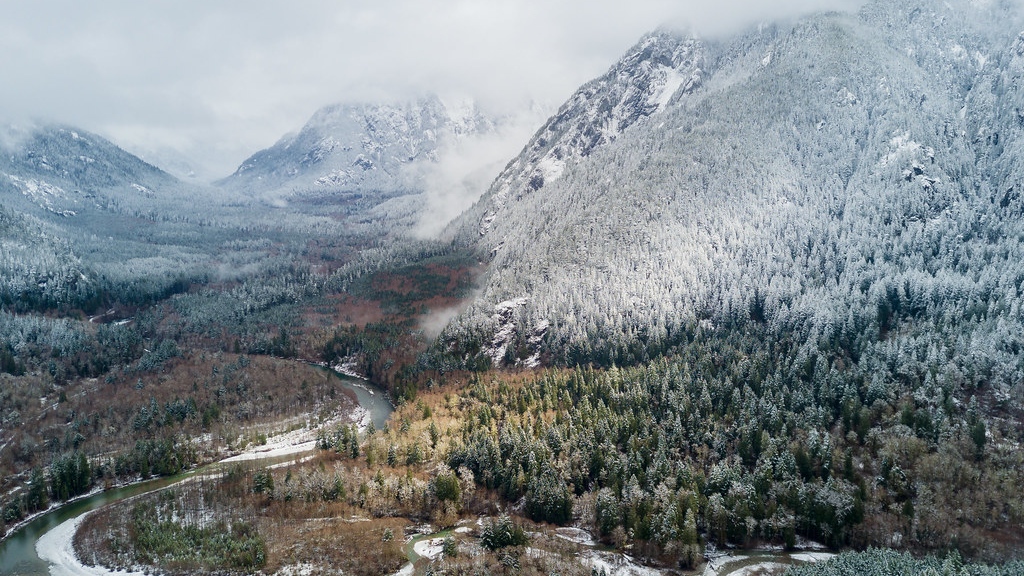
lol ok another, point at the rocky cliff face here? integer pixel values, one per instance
(663, 66)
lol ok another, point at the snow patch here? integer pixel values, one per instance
(760, 568)
(57, 548)
(430, 548)
(407, 570)
(810, 557)
(902, 146)
(273, 450)
(550, 168)
(615, 564)
(663, 95)
(504, 319)
(362, 418)
(42, 193)
(335, 178)
(348, 367)
(576, 535)
(300, 441)
(300, 569)
(322, 149)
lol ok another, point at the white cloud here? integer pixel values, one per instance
(466, 168)
(219, 80)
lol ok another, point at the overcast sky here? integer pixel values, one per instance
(218, 80)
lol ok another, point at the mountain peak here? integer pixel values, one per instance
(357, 147)
(663, 65)
(63, 170)
(796, 155)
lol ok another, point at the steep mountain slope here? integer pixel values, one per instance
(815, 256)
(68, 172)
(81, 215)
(848, 181)
(661, 67)
(366, 159)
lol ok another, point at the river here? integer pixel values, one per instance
(18, 556)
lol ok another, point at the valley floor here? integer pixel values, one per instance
(403, 498)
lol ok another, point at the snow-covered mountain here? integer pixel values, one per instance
(360, 156)
(846, 181)
(75, 207)
(661, 67)
(63, 171)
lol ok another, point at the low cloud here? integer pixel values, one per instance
(724, 17)
(217, 81)
(12, 133)
(466, 168)
(435, 322)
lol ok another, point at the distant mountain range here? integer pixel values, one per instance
(357, 148)
(84, 218)
(68, 172)
(357, 173)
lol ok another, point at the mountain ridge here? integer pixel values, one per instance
(830, 133)
(357, 147)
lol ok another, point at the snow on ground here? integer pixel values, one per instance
(576, 535)
(348, 367)
(301, 569)
(761, 568)
(272, 450)
(550, 168)
(673, 79)
(298, 441)
(718, 565)
(362, 418)
(56, 547)
(419, 530)
(431, 548)
(407, 570)
(463, 530)
(726, 565)
(532, 552)
(809, 557)
(617, 564)
(302, 460)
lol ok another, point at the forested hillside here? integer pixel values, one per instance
(85, 223)
(850, 179)
(754, 291)
(147, 324)
(827, 225)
